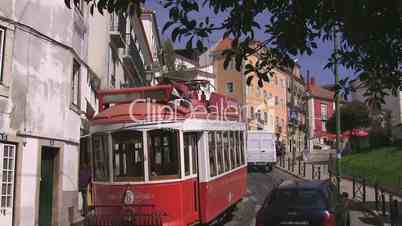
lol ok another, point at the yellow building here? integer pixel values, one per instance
(263, 107)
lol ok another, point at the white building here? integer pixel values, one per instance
(46, 93)
(52, 59)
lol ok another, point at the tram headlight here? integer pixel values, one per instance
(128, 197)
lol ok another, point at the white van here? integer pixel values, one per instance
(261, 151)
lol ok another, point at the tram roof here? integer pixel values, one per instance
(162, 103)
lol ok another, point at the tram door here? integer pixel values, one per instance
(191, 169)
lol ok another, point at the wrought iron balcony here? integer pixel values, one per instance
(117, 30)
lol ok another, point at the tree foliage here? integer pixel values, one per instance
(354, 115)
(369, 33)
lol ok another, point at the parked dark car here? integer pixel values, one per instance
(310, 203)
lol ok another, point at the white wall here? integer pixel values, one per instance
(29, 182)
(70, 167)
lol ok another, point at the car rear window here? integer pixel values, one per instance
(299, 198)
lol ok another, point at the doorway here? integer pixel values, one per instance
(47, 182)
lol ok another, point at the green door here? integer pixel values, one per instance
(46, 187)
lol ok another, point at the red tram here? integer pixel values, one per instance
(166, 151)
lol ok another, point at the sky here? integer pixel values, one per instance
(314, 63)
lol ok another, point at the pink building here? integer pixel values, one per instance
(321, 107)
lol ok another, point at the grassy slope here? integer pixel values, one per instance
(383, 164)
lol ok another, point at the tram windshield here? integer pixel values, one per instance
(128, 156)
(163, 154)
(126, 152)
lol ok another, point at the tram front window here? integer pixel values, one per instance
(128, 156)
(163, 154)
(101, 160)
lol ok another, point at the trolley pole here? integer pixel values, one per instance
(337, 114)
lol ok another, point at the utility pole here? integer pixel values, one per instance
(337, 114)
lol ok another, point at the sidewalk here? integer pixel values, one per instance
(316, 168)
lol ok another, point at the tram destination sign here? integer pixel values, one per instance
(128, 97)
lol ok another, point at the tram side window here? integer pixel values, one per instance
(212, 156)
(232, 150)
(225, 138)
(128, 156)
(187, 144)
(219, 151)
(101, 159)
(241, 147)
(163, 152)
(195, 154)
(238, 146)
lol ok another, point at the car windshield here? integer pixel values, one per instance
(299, 198)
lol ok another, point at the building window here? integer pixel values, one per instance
(7, 158)
(324, 112)
(75, 84)
(128, 156)
(163, 155)
(229, 87)
(2, 45)
(232, 65)
(252, 112)
(324, 126)
(265, 118)
(276, 100)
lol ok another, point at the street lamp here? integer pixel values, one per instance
(337, 114)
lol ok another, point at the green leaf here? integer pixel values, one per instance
(189, 44)
(167, 25)
(200, 45)
(175, 33)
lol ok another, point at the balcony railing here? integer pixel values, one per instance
(117, 29)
